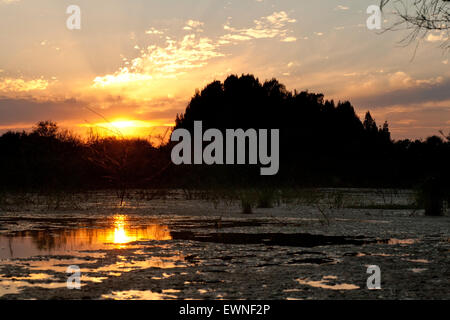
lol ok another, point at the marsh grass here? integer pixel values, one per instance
(325, 202)
(267, 198)
(41, 201)
(263, 198)
(246, 205)
(432, 198)
(387, 206)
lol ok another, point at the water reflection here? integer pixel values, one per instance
(118, 234)
(123, 234)
(141, 295)
(327, 283)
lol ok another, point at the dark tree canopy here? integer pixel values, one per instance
(315, 134)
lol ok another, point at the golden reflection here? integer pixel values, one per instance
(324, 284)
(141, 295)
(120, 236)
(120, 233)
(123, 233)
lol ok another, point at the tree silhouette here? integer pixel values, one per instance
(322, 143)
(45, 129)
(312, 130)
(369, 124)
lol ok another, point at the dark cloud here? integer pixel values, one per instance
(415, 95)
(28, 111)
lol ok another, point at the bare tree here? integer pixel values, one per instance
(421, 17)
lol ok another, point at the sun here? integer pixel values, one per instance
(126, 124)
(123, 127)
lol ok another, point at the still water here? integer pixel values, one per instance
(119, 234)
(142, 256)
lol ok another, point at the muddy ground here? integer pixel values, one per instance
(169, 247)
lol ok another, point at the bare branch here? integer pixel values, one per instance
(421, 17)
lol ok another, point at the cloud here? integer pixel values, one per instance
(24, 112)
(341, 7)
(378, 86)
(416, 121)
(8, 85)
(154, 31)
(175, 58)
(272, 26)
(194, 25)
(120, 78)
(289, 39)
(29, 111)
(439, 37)
(405, 91)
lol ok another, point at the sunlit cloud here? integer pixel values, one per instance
(436, 37)
(417, 120)
(401, 80)
(143, 75)
(175, 58)
(194, 25)
(375, 82)
(272, 26)
(154, 31)
(21, 85)
(289, 39)
(123, 76)
(341, 7)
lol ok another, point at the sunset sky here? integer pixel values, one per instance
(138, 62)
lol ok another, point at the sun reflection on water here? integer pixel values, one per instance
(120, 232)
(120, 236)
(123, 233)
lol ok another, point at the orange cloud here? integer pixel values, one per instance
(21, 85)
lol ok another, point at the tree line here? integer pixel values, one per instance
(322, 143)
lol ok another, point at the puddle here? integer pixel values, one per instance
(418, 270)
(48, 253)
(325, 283)
(380, 254)
(61, 242)
(141, 295)
(13, 285)
(394, 241)
(418, 260)
(313, 261)
(151, 262)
